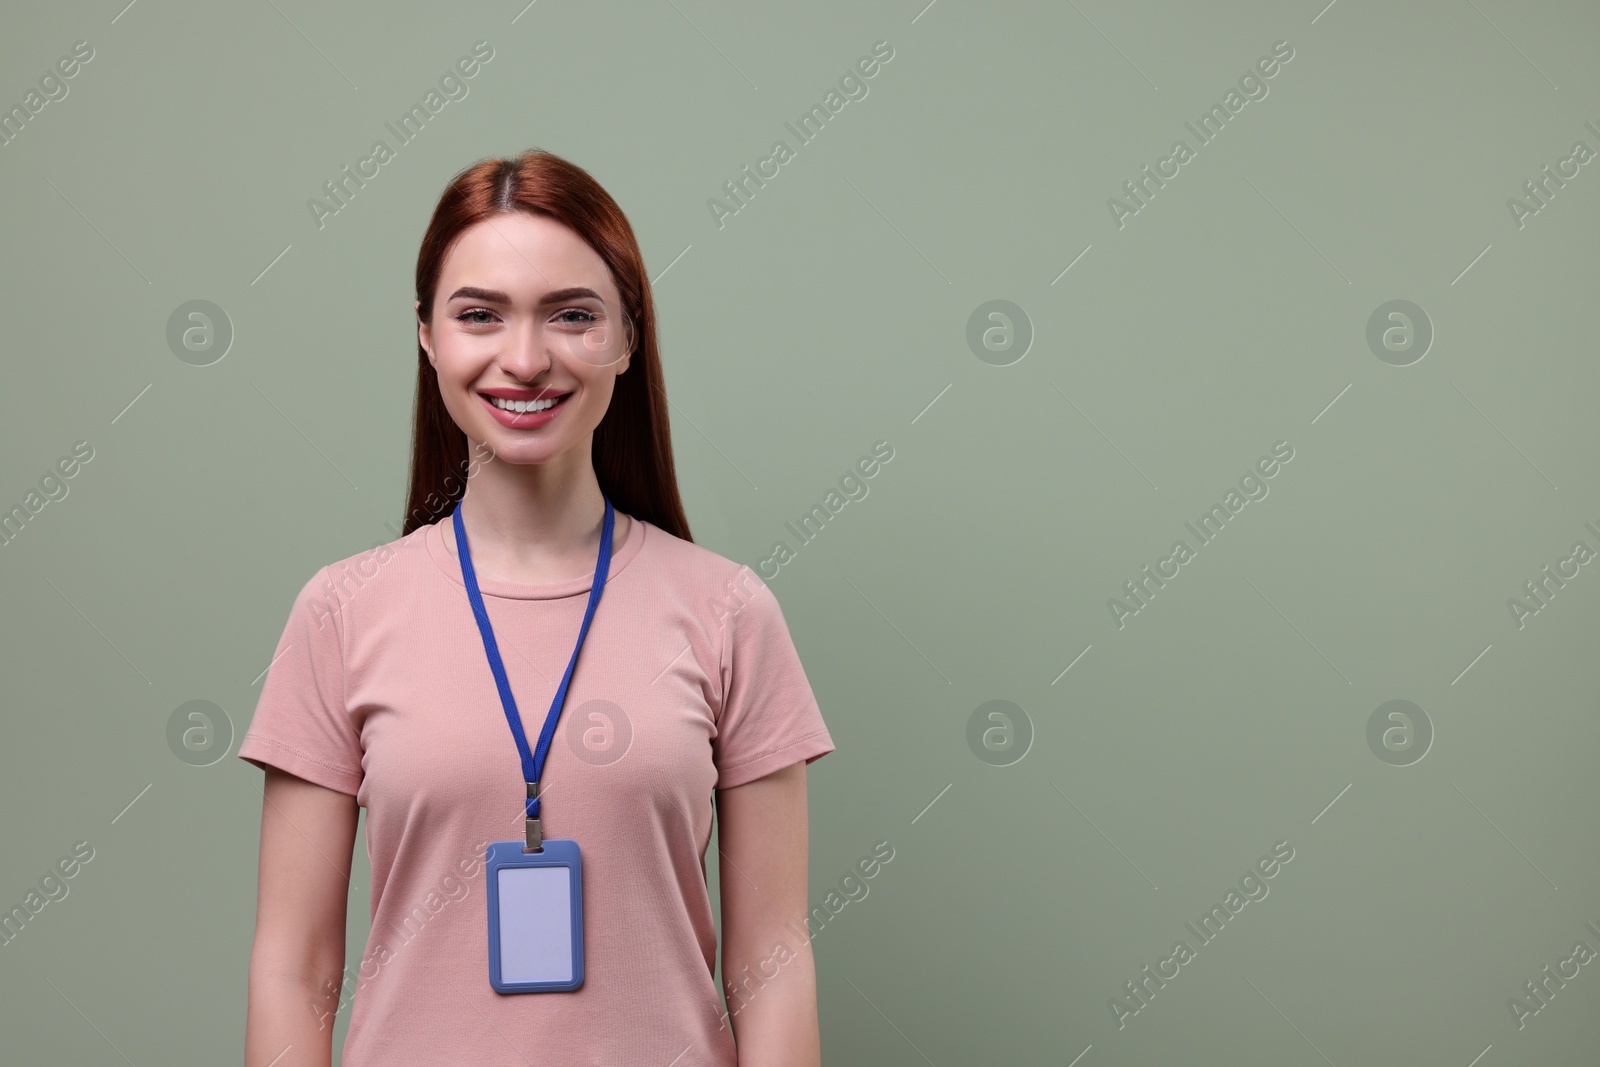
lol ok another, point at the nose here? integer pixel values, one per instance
(524, 356)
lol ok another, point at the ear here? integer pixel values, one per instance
(425, 335)
(629, 338)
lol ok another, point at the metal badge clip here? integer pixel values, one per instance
(535, 836)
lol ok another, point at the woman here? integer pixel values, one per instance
(541, 433)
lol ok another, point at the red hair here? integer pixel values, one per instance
(632, 452)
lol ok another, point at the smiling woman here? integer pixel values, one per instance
(536, 346)
(570, 344)
(579, 328)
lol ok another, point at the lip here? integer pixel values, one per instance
(523, 420)
(505, 393)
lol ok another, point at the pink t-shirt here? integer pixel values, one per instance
(688, 681)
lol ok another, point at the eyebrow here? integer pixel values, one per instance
(495, 296)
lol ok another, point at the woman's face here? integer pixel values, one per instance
(526, 313)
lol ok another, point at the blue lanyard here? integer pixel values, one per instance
(532, 762)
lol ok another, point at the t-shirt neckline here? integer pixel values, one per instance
(621, 556)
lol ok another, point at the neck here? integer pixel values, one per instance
(535, 522)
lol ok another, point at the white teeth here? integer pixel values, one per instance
(521, 406)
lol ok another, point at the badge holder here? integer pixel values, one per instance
(534, 887)
(535, 913)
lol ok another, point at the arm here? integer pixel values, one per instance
(297, 959)
(767, 966)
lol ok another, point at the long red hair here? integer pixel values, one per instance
(632, 452)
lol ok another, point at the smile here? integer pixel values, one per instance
(521, 406)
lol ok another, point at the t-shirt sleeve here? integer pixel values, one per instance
(769, 717)
(301, 724)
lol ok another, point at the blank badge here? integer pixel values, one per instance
(535, 917)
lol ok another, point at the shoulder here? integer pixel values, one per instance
(715, 588)
(691, 564)
(732, 602)
(387, 556)
(373, 575)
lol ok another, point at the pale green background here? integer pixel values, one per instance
(828, 315)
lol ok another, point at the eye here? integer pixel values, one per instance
(588, 316)
(474, 311)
